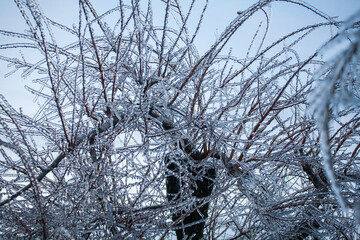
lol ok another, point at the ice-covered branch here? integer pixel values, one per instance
(91, 135)
(331, 95)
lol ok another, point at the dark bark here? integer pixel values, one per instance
(317, 177)
(189, 224)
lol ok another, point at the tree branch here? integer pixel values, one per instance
(91, 135)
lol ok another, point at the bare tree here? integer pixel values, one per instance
(131, 110)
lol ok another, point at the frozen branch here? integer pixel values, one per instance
(92, 134)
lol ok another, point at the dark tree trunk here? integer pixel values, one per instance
(189, 224)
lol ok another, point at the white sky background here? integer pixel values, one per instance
(285, 18)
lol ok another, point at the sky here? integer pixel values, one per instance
(284, 19)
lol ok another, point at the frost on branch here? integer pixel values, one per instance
(336, 96)
(119, 91)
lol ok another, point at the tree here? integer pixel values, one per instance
(128, 94)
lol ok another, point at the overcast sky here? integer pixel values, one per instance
(284, 19)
